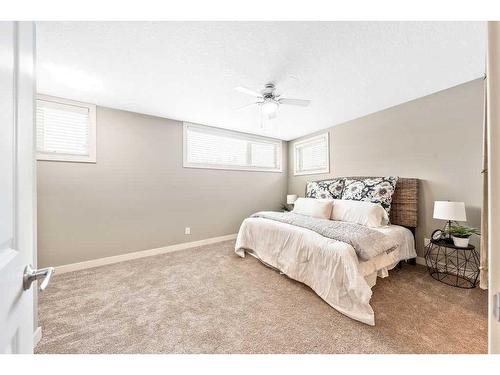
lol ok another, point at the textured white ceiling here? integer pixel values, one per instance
(187, 70)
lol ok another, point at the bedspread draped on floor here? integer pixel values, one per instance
(328, 266)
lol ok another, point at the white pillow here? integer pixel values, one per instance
(320, 209)
(360, 212)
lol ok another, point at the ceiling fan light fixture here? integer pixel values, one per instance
(269, 107)
(269, 102)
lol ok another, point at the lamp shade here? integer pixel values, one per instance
(454, 211)
(291, 198)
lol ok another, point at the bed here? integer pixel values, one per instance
(332, 268)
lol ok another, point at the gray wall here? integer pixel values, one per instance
(437, 138)
(138, 196)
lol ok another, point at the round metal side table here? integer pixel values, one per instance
(452, 265)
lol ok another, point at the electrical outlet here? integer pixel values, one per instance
(187, 230)
(426, 241)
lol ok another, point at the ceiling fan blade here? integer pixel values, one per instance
(246, 106)
(300, 102)
(246, 90)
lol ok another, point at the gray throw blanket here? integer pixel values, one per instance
(367, 242)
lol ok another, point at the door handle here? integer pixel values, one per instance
(31, 274)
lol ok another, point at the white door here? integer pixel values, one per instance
(17, 185)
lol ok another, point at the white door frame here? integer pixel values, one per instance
(493, 82)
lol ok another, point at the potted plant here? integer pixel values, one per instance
(461, 234)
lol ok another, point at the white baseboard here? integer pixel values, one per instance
(141, 254)
(37, 336)
(421, 260)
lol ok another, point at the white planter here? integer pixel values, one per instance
(460, 242)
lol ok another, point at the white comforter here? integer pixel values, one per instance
(331, 268)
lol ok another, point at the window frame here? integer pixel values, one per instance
(234, 134)
(297, 145)
(64, 157)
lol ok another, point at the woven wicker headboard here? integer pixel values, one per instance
(404, 206)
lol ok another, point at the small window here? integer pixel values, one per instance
(65, 130)
(207, 147)
(312, 155)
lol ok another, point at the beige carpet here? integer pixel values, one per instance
(208, 300)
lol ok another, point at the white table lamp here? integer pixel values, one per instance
(291, 198)
(449, 211)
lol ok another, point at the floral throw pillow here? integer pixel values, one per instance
(375, 190)
(331, 189)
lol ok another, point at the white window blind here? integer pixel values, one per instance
(312, 155)
(65, 130)
(207, 147)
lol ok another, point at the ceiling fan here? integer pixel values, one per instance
(269, 101)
